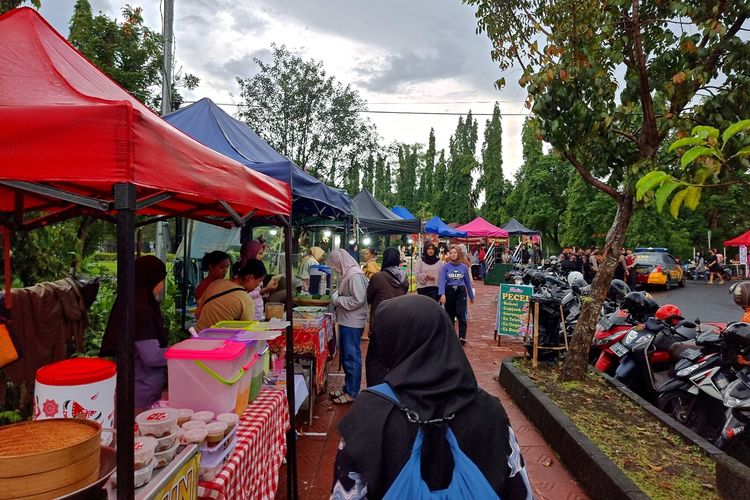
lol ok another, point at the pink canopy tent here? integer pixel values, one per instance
(480, 228)
(739, 241)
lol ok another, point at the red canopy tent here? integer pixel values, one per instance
(739, 241)
(480, 228)
(73, 142)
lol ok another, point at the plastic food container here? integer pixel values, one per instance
(166, 442)
(185, 415)
(207, 374)
(162, 458)
(213, 461)
(230, 419)
(143, 451)
(158, 422)
(274, 310)
(239, 325)
(143, 475)
(203, 416)
(195, 436)
(216, 433)
(194, 424)
(77, 388)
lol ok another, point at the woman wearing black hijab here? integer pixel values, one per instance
(429, 373)
(151, 337)
(427, 270)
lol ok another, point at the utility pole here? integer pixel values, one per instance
(162, 228)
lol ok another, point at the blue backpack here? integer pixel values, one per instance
(467, 482)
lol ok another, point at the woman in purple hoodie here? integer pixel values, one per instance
(454, 286)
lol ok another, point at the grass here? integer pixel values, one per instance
(657, 459)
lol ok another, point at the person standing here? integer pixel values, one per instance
(151, 336)
(427, 270)
(454, 286)
(370, 265)
(621, 271)
(217, 263)
(713, 268)
(313, 258)
(389, 283)
(350, 305)
(254, 250)
(630, 263)
(593, 264)
(482, 261)
(700, 266)
(537, 254)
(474, 261)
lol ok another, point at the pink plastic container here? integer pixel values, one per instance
(208, 375)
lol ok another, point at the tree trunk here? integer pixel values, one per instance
(576, 361)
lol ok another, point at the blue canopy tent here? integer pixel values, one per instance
(210, 125)
(403, 212)
(437, 226)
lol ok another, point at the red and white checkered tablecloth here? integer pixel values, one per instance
(252, 472)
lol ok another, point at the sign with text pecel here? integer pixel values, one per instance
(513, 309)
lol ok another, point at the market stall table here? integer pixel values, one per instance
(252, 470)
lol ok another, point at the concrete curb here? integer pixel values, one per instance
(732, 476)
(596, 473)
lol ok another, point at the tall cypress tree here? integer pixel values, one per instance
(425, 191)
(382, 179)
(491, 180)
(368, 176)
(406, 180)
(461, 168)
(438, 185)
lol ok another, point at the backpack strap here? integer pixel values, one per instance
(386, 392)
(225, 292)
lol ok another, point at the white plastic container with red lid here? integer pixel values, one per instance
(208, 375)
(77, 388)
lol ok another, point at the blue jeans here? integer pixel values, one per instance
(351, 358)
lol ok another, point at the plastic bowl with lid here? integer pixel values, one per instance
(143, 475)
(185, 415)
(158, 422)
(163, 458)
(143, 450)
(194, 424)
(166, 442)
(195, 436)
(231, 419)
(204, 416)
(216, 432)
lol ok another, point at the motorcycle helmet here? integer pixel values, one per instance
(527, 276)
(538, 279)
(580, 283)
(636, 304)
(651, 305)
(669, 313)
(573, 276)
(741, 293)
(618, 289)
(736, 342)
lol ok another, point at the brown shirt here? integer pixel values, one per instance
(384, 286)
(233, 306)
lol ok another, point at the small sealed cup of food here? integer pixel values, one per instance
(195, 436)
(143, 451)
(158, 422)
(205, 416)
(185, 415)
(164, 457)
(216, 432)
(231, 419)
(194, 424)
(166, 442)
(143, 475)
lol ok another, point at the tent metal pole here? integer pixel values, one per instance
(291, 435)
(125, 204)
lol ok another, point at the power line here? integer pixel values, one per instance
(394, 112)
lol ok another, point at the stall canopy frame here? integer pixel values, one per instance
(741, 240)
(480, 228)
(73, 142)
(515, 228)
(436, 225)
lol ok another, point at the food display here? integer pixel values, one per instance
(162, 458)
(216, 433)
(185, 415)
(195, 436)
(194, 424)
(158, 422)
(166, 442)
(231, 419)
(203, 416)
(143, 475)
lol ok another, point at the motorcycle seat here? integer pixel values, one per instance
(676, 349)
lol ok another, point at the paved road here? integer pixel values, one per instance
(709, 303)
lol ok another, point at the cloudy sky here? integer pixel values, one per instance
(402, 55)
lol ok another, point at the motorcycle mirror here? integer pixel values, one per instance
(697, 321)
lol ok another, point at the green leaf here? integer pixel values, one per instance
(704, 132)
(693, 153)
(734, 129)
(662, 194)
(692, 197)
(686, 141)
(743, 152)
(674, 207)
(649, 182)
(702, 174)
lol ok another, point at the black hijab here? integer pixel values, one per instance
(430, 259)
(428, 370)
(149, 323)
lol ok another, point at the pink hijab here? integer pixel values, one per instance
(250, 250)
(344, 264)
